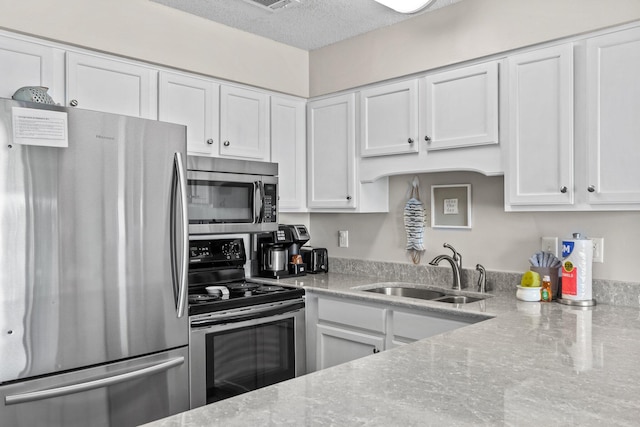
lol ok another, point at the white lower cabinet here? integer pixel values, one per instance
(342, 329)
(338, 345)
(406, 327)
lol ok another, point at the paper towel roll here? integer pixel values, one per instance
(577, 256)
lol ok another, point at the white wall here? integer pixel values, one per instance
(151, 32)
(500, 241)
(465, 30)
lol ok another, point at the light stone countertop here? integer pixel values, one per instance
(529, 364)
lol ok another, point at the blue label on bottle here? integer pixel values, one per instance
(567, 248)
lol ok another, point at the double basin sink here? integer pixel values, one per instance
(425, 294)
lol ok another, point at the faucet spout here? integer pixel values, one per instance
(454, 267)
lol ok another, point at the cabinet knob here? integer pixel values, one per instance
(348, 197)
(563, 189)
(591, 188)
(427, 138)
(226, 143)
(375, 350)
(210, 141)
(73, 103)
(410, 140)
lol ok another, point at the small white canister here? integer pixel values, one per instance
(577, 254)
(528, 293)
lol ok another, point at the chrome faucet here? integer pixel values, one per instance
(482, 279)
(457, 257)
(454, 267)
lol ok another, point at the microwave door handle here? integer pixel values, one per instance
(183, 257)
(259, 204)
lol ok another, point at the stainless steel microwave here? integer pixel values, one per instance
(231, 196)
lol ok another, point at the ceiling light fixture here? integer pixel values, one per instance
(406, 6)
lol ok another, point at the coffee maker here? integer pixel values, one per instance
(279, 251)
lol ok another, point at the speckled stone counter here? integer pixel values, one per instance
(528, 364)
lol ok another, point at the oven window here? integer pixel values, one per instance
(220, 202)
(245, 359)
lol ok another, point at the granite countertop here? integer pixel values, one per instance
(528, 364)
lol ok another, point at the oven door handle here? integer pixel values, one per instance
(250, 314)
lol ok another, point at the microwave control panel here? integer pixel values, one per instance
(270, 203)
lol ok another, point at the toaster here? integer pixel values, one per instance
(317, 259)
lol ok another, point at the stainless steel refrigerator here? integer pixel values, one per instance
(93, 255)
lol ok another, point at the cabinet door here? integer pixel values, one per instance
(288, 149)
(30, 64)
(340, 345)
(192, 102)
(111, 86)
(613, 125)
(244, 124)
(409, 327)
(540, 121)
(389, 119)
(461, 107)
(331, 152)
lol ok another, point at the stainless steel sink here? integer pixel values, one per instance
(408, 292)
(425, 294)
(457, 299)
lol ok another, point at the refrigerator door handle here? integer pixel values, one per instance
(184, 256)
(90, 385)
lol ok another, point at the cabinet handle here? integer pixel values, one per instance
(410, 140)
(226, 143)
(210, 141)
(426, 138)
(375, 350)
(563, 189)
(591, 188)
(348, 197)
(73, 103)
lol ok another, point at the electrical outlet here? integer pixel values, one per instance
(598, 249)
(550, 244)
(343, 238)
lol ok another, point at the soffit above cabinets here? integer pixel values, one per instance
(305, 24)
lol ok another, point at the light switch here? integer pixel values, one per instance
(343, 238)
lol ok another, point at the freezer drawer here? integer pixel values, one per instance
(125, 393)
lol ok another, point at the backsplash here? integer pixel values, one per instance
(604, 291)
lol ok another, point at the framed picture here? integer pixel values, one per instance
(451, 206)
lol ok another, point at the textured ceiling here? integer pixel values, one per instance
(309, 24)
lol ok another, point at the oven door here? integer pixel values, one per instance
(229, 203)
(250, 350)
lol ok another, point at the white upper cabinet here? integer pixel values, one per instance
(613, 119)
(193, 102)
(288, 149)
(331, 152)
(389, 119)
(112, 86)
(244, 124)
(461, 107)
(30, 64)
(540, 122)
